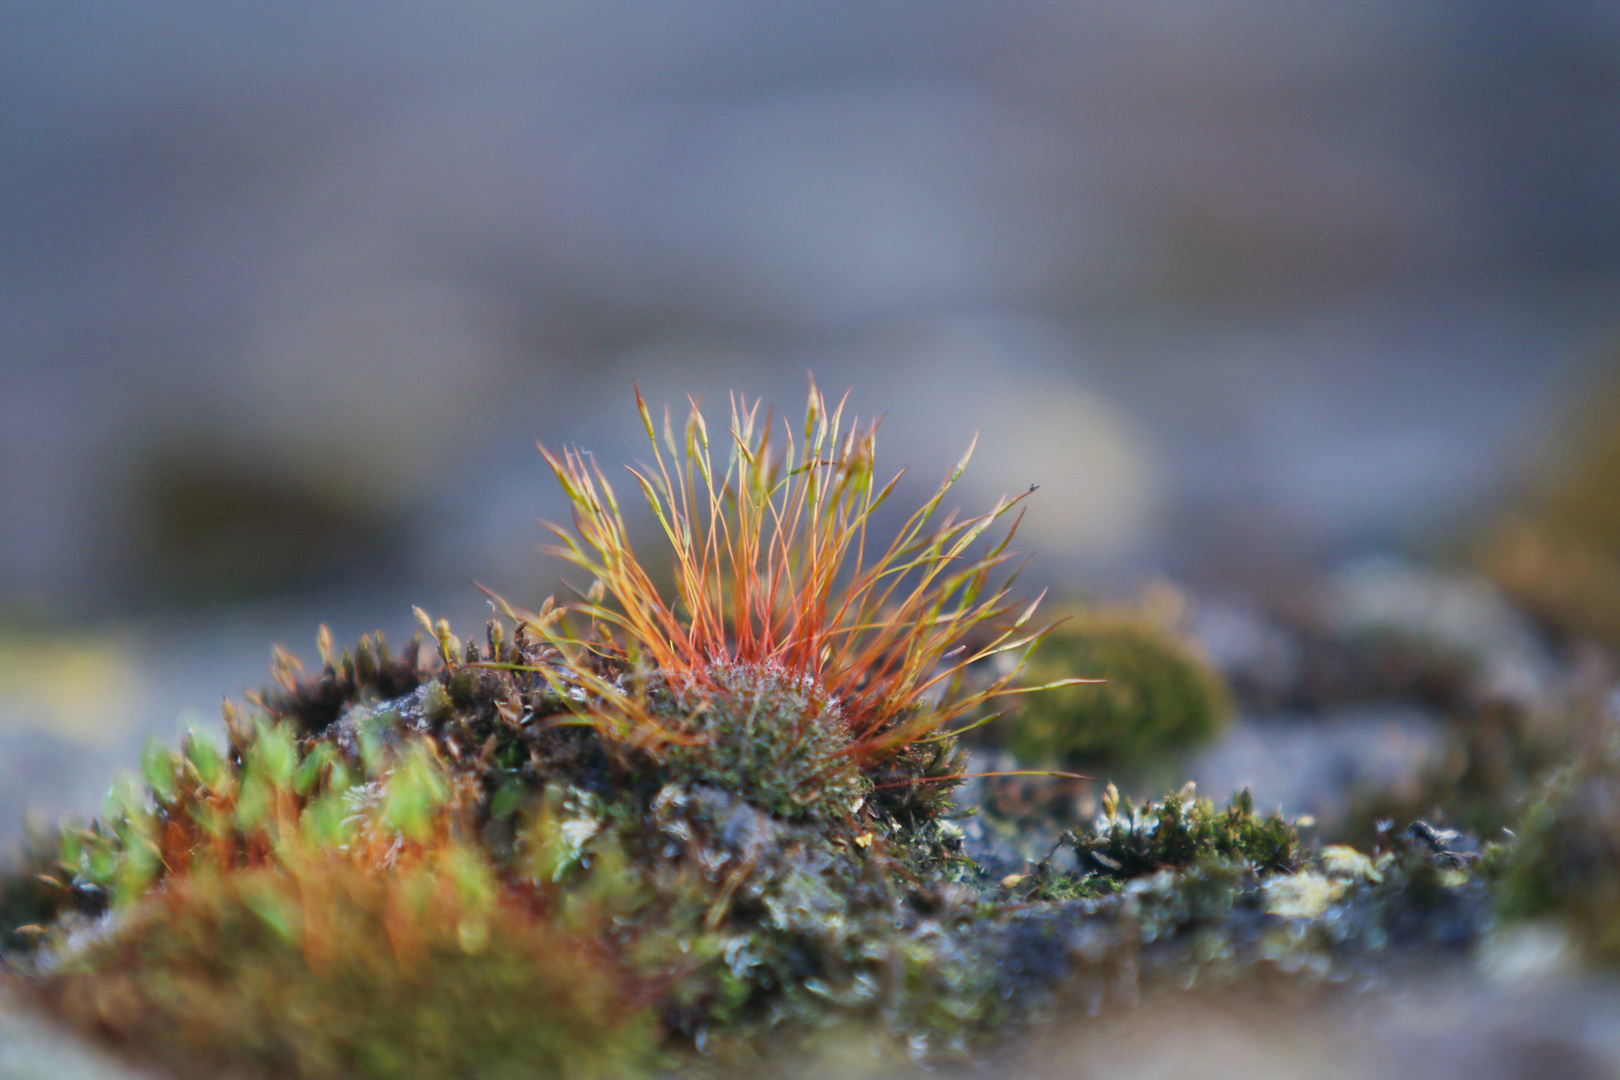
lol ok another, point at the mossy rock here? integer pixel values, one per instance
(735, 905)
(1159, 696)
(624, 837)
(433, 885)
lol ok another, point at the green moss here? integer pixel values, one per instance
(1564, 861)
(1158, 696)
(772, 738)
(1182, 831)
(1180, 834)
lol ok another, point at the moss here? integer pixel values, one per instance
(1180, 834)
(1222, 914)
(341, 903)
(1181, 831)
(724, 919)
(760, 912)
(334, 971)
(787, 928)
(368, 674)
(1564, 861)
(738, 792)
(31, 896)
(770, 736)
(1158, 696)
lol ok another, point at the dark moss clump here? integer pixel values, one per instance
(369, 674)
(1182, 831)
(1158, 696)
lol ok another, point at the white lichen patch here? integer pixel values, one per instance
(1305, 895)
(1339, 861)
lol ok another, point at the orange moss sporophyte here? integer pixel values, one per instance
(778, 594)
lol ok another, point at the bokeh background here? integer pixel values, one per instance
(289, 290)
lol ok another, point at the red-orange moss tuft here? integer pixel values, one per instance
(773, 571)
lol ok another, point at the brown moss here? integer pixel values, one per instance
(332, 970)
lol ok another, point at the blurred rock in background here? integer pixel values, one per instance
(1556, 549)
(1183, 268)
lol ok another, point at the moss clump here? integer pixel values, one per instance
(338, 904)
(691, 864)
(1158, 696)
(770, 736)
(1565, 859)
(1182, 831)
(1179, 834)
(369, 674)
(326, 970)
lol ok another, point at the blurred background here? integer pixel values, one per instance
(1251, 290)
